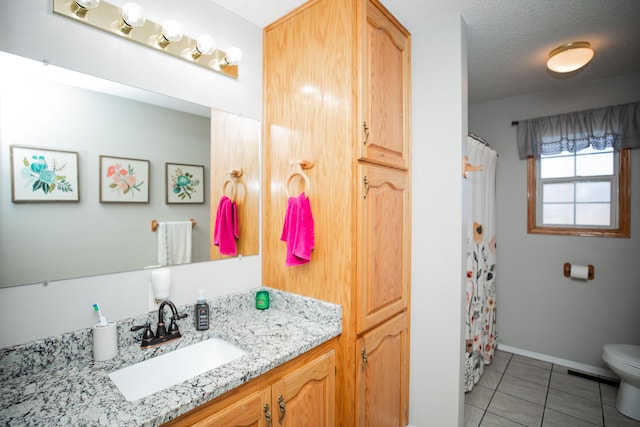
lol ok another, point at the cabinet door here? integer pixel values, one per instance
(382, 384)
(383, 244)
(306, 397)
(247, 412)
(386, 89)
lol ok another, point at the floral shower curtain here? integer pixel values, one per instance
(480, 293)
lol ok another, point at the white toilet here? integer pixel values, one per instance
(624, 361)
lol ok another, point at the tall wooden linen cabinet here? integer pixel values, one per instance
(337, 93)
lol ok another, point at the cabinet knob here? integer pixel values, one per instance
(283, 410)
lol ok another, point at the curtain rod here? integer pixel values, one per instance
(482, 141)
(515, 123)
(477, 138)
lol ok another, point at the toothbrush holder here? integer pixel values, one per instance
(105, 341)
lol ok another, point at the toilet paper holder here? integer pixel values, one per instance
(567, 271)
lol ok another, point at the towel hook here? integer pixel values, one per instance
(235, 173)
(468, 167)
(298, 166)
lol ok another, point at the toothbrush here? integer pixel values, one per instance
(102, 321)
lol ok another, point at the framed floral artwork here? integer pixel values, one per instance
(43, 175)
(185, 183)
(124, 180)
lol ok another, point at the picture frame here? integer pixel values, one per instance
(124, 180)
(184, 183)
(43, 175)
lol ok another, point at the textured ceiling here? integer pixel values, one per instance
(509, 40)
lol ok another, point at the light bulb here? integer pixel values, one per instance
(234, 55)
(132, 16)
(205, 45)
(88, 4)
(171, 32)
(81, 7)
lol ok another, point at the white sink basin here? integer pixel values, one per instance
(152, 375)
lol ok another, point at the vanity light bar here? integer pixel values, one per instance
(109, 18)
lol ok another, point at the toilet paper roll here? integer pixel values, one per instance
(105, 341)
(580, 272)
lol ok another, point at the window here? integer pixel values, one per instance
(579, 170)
(583, 193)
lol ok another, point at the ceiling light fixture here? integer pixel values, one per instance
(570, 57)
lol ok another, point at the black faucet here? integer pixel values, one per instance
(162, 335)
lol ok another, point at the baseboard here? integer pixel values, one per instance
(582, 367)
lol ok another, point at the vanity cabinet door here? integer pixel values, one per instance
(383, 244)
(246, 412)
(382, 385)
(306, 396)
(304, 386)
(385, 85)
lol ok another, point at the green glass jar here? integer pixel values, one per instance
(262, 300)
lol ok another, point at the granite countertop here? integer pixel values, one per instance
(55, 381)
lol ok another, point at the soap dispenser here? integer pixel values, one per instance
(202, 313)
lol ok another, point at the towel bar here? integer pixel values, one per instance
(154, 224)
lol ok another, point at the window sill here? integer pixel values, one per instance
(583, 232)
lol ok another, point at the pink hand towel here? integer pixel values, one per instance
(226, 228)
(298, 230)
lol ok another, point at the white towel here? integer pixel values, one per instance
(174, 242)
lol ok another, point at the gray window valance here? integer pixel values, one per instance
(615, 126)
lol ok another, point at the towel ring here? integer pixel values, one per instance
(233, 174)
(297, 171)
(234, 191)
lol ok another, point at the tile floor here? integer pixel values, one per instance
(519, 391)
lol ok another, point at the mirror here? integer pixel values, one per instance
(58, 110)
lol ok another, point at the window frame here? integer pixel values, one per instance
(624, 201)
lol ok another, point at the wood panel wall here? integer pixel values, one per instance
(310, 96)
(235, 144)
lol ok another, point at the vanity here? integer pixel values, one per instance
(288, 361)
